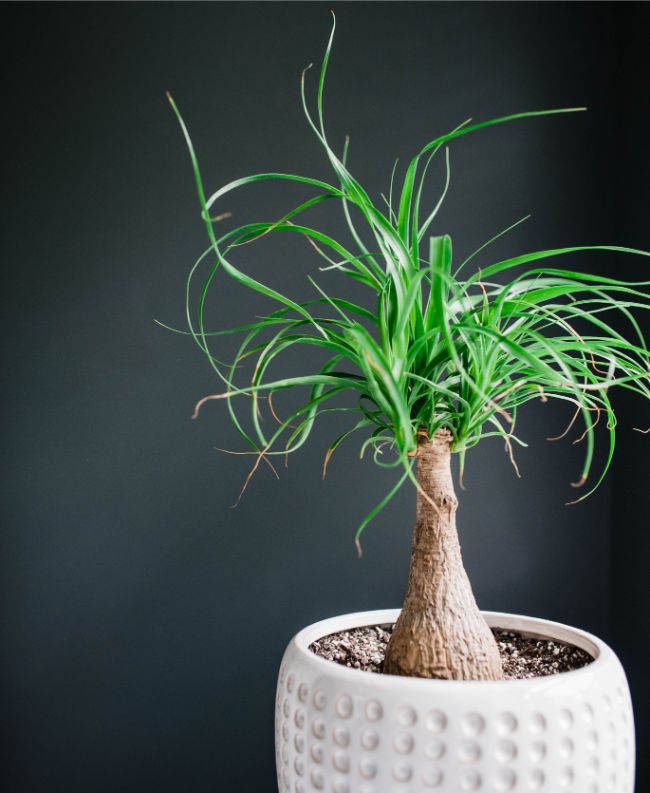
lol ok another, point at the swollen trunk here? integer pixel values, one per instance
(440, 632)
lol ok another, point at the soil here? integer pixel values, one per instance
(522, 656)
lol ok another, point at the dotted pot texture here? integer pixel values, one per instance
(342, 730)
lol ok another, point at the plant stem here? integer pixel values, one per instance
(440, 632)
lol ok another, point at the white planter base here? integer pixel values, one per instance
(342, 730)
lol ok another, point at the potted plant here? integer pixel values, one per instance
(439, 358)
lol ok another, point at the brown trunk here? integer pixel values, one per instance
(440, 632)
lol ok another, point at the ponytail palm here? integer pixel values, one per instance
(437, 358)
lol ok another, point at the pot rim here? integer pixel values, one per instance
(530, 626)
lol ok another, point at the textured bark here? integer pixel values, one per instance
(440, 632)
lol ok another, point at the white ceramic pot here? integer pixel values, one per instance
(342, 730)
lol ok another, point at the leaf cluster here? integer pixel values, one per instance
(440, 348)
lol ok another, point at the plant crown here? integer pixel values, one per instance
(441, 348)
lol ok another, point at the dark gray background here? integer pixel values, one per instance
(144, 620)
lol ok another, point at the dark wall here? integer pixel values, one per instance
(630, 538)
(144, 619)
